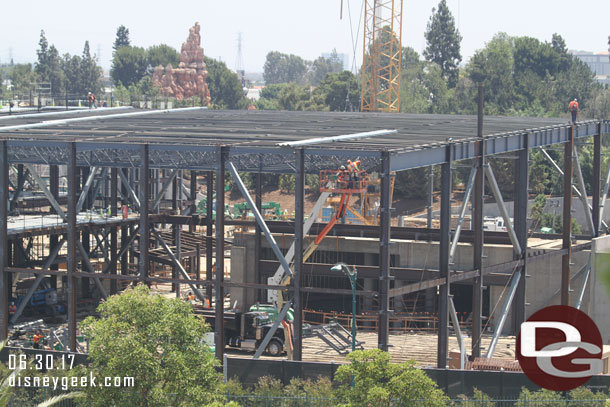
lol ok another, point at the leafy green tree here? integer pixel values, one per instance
(22, 78)
(284, 68)
(287, 182)
(377, 382)
(324, 66)
(224, 85)
(122, 38)
(443, 42)
(162, 55)
(158, 342)
(129, 65)
(48, 66)
(339, 91)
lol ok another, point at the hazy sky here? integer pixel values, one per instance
(305, 28)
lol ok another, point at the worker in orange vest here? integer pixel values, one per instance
(573, 106)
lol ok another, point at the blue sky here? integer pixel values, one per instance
(305, 28)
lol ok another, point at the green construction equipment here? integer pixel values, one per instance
(269, 210)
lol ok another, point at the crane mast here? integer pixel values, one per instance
(382, 54)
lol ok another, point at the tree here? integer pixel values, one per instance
(162, 55)
(90, 72)
(443, 42)
(284, 68)
(339, 91)
(158, 342)
(324, 66)
(122, 38)
(377, 382)
(129, 65)
(224, 85)
(22, 78)
(48, 66)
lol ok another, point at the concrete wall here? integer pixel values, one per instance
(599, 306)
(542, 284)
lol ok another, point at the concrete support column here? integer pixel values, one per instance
(567, 217)
(299, 205)
(384, 252)
(445, 238)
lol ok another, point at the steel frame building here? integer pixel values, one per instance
(128, 150)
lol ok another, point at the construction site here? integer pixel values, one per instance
(96, 201)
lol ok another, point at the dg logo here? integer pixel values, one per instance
(559, 348)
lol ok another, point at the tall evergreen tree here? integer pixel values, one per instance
(90, 72)
(443, 42)
(48, 66)
(122, 38)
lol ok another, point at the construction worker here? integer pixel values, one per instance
(340, 177)
(91, 98)
(37, 340)
(573, 106)
(190, 296)
(206, 303)
(354, 169)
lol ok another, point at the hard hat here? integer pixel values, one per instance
(88, 93)
(575, 100)
(342, 167)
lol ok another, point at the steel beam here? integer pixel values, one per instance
(583, 286)
(443, 297)
(567, 218)
(179, 266)
(127, 186)
(595, 184)
(462, 214)
(219, 335)
(257, 232)
(384, 253)
(37, 281)
(503, 314)
(458, 333)
(4, 278)
(583, 194)
(272, 330)
(498, 196)
(333, 139)
(72, 237)
(299, 205)
(164, 187)
(143, 261)
(45, 190)
(259, 218)
(430, 206)
(85, 191)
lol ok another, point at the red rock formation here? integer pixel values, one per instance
(189, 79)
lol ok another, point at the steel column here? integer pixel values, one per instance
(114, 241)
(124, 228)
(53, 239)
(143, 261)
(520, 216)
(257, 233)
(430, 206)
(175, 232)
(384, 252)
(209, 249)
(219, 336)
(567, 218)
(477, 222)
(5, 290)
(445, 237)
(595, 184)
(72, 245)
(299, 209)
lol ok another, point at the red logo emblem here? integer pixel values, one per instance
(559, 348)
